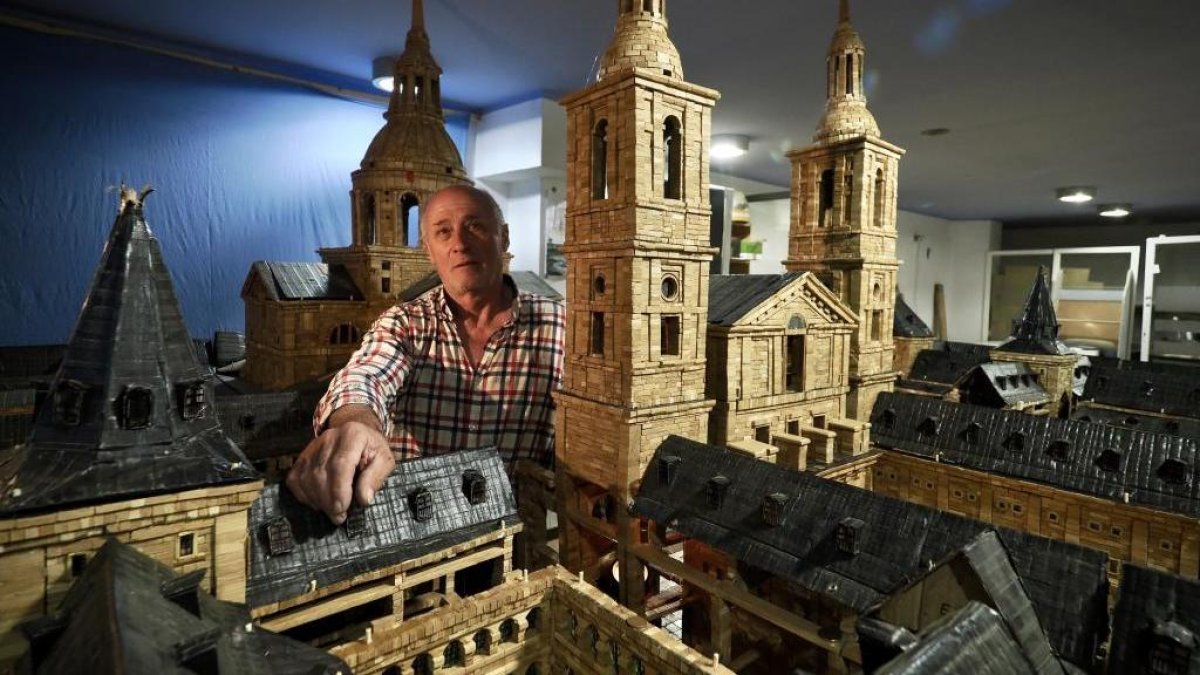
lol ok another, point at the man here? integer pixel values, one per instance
(470, 364)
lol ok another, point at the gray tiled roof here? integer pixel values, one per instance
(906, 323)
(733, 296)
(1176, 426)
(117, 617)
(898, 541)
(1155, 470)
(113, 425)
(947, 363)
(975, 640)
(327, 554)
(306, 281)
(999, 384)
(1157, 388)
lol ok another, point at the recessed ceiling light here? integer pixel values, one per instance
(1077, 194)
(383, 71)
(936, 131)
(729, 146)
(1114, 210)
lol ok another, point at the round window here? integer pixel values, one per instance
(598, 284)
(670, 287)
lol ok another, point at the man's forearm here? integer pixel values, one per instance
(354, 412)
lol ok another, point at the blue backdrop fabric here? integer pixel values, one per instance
(244, 169)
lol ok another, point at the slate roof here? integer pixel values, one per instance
(1155, 470)
(733, 296)
(998, 385)
(524, 281)
(906, 323)
(1176, 426)
(269, 424)
(1151, 387)
(128, 613)
(115, 424)
(1153, 604)
(1035, 329)
(897, 541)
(973, 640)
(945, 364)
(288, 281)
(328, 554)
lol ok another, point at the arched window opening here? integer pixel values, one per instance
(647, 5)
(836, 76)
(423, 665)
(879, 198)
(850, 74)
(508, 631)
(453, 655)
(825, 198)
(435, 91)
(418, 88)
(368, 219)
(534, 618)
(673, 158)
(600, 160)
(343, 334)
(847, 194)
(410, 219)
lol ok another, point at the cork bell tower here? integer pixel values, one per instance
(410, 158)
(843, 225)
(638, 254)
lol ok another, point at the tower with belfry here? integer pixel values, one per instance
(638, 255)
(303, 320)
(843, 225)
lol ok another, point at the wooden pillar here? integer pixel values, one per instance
(720, 628)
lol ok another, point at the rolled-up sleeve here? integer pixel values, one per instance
(374, 373)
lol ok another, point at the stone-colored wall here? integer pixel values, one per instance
(905, 350)
(1126, 532)
(36, 551)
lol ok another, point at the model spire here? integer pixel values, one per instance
(641, 41)
(1035, 329)
(846, 113)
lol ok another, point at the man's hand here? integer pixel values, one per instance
(323, 477)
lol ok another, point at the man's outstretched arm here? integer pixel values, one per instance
(349, 460)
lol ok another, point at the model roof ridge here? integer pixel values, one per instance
(130, 411)
(641, 41)
(907, 323)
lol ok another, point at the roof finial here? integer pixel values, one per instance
(418, 15)
(843, 11)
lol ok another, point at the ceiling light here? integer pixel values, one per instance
(1076, 194)
(1114, 210)
(936, 131)
(383, 71)
(729, 146)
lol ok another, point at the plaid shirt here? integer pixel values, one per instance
(413, 371)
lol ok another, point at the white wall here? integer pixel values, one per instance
(931, 250)
(954, 254)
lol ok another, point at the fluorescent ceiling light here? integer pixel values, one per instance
(1076, 194)
(729, 146)
(1114, 210)
(383, 73)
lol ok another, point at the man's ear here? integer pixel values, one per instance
(504, 237)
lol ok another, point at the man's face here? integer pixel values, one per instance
(464, 240)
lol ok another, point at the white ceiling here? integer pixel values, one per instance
(1037, 94)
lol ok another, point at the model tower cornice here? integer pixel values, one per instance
(846, 114)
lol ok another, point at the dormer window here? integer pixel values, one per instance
(1059, 449)
(1147, 388)
(420, 501)
(929, 428)
(474, 486)
(1171, 648)
(668, 467)
(135, 407)
(1174, 472)
(847, 536)
(1015, 441)
(192, 401)
(1109, 461)
(772, 508)
(715, 491)
(972, 433)
(279, 537)
(68, 403)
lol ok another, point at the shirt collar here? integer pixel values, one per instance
(442, 305)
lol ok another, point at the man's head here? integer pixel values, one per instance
(465, 236)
